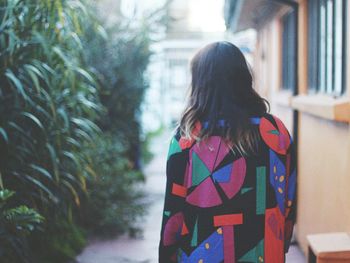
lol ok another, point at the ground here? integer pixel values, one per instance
(145, 249)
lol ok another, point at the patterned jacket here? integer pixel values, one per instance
(223, 207)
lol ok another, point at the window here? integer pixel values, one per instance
(326, 46)
(289, 51)
(178, 78)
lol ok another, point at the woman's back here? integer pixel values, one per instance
(221, 206)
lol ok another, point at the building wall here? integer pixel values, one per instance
(323, 143)
(267, 71)
(324, 161)
(324, 177)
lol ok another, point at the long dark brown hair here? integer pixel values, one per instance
(222, 88)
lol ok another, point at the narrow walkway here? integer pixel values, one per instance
(145, 249)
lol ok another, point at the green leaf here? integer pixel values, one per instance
(83, 135)
(102, 32)
(88, 103)
(23, 217)
(41, 171)
(17, 83)
(42, 187)
(72, 157)
(4, 135)
(64, 58)
(72, 191)
(86, 125)
(44, 43)
(34, 120)
(61, 112)
(85, 74)
(54, 160)
(73, 141)
(6, 194)
(34, 73)
(22, 132)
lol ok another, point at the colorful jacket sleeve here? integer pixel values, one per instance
(175, 193)
(283, 173)
(290, 193)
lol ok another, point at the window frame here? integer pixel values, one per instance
(322, 79)
(289, 48)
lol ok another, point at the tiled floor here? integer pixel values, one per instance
(145, 250)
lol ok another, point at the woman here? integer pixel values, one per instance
(231, 170)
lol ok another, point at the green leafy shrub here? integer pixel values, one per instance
(120, 73)
(16, 223)
(61, 242)
(147, 154)
(48, 103)
(115, 200)
(70, 95)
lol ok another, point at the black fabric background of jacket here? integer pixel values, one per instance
(222, 207)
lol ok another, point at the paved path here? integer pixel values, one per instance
(144, 250)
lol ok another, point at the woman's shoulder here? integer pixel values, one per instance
(275, 133)
(271, 116)
(178, 142)
(276, 121)
(268, 117)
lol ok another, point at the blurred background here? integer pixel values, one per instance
(90, 92)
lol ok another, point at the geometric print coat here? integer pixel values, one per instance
(222, 207)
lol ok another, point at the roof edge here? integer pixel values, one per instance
(233, 9)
